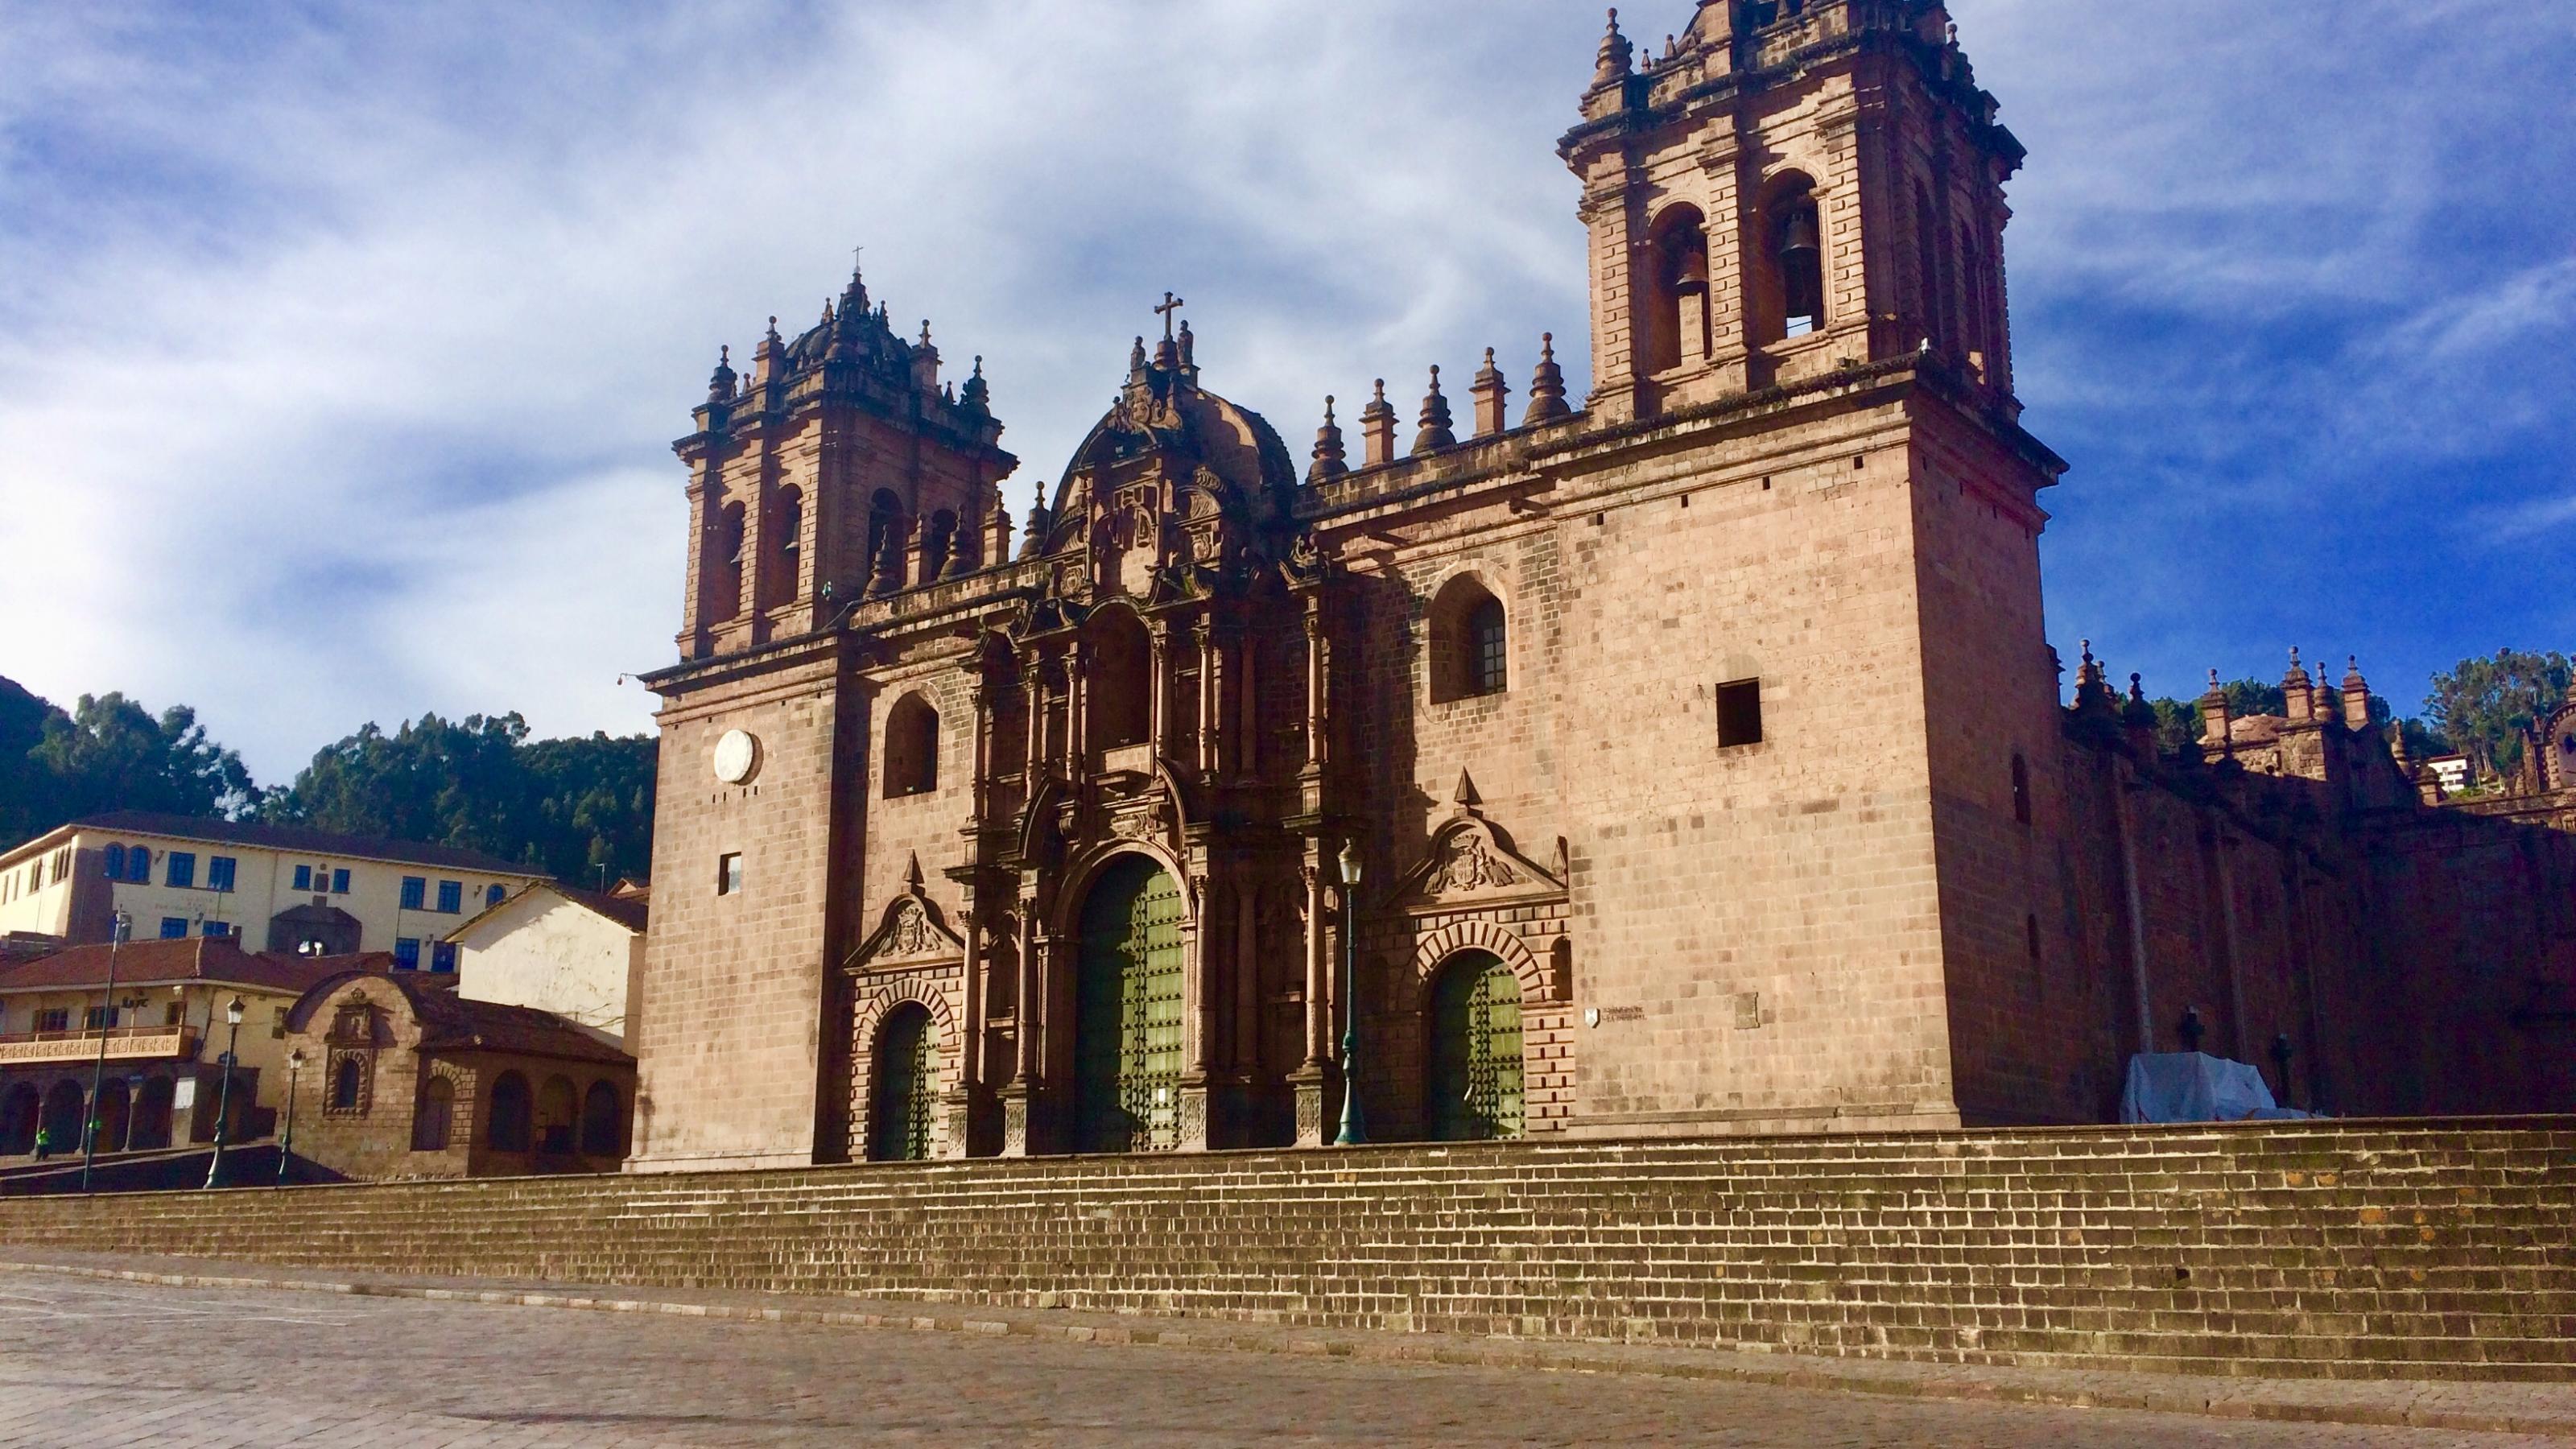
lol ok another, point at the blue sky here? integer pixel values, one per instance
(341, 346)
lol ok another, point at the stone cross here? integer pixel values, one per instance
(1171, 304)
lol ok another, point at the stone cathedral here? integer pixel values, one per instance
(1694, 743)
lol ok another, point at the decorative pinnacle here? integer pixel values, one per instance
(1616, 54)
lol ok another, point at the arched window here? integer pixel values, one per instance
(905, 1072)
(603, 1121)
(1474, 1088)
(727, 572)
(885, 514)
(347, 1077)
(116, 862)
(790, 581)
(1120, 682)
(506, 1118)
(1786, 291)
(2021, 788)
(938, 545)
(1927, 268)
(1677, 317)
(437, 1116)
(1470, 642)
(558, 1115)
(911, 748)
(1972, 281)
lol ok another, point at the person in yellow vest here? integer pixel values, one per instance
(44, 1144)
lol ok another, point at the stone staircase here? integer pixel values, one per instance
(2377, 1249)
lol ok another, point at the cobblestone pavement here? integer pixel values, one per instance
(88, 1363)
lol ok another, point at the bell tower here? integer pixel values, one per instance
(1788, 188)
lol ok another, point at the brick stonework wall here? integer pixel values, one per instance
(2346, 1249)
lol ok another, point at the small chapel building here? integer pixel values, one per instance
(1694, 744)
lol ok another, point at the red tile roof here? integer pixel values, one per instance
(296, 838)
(193, 958)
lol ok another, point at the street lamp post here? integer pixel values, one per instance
(1354, 1131)
(121, 926)
(224, 1100)
(286, 1146)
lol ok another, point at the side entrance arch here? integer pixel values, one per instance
(1474, 1087)
(65, 1104)
(1127, 1012)
(906, 1066)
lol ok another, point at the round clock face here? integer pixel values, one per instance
(737, 756)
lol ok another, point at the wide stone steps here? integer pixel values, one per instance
(2324, 1248)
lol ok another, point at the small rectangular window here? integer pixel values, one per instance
(729, 874)
(57, 1018)
(98, 1018)
(406, 953)
(304, 877)
(442, 956)
(182, 869)
(174, 928)
(339, 882)
(1739, 712)
(415, 891)
(215, 928)
(451, 896)
(174, 1013)
(219, 873)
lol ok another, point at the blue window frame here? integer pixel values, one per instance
(304, 877)
(174, 928)
(116, 862)
(493, 894)
(138, 864)
(215, 928)
(415, 890)
(451, 896)
(406, 953)
(442, 956)
(182, 869)
(219, 873)
(339, 882)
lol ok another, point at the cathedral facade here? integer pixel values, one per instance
(1681, 759)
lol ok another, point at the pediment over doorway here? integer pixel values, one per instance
(912, 931)
(1471, 863)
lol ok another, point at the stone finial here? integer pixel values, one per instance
(1328, 463)
(720, 382)
(1435, 433)
(912, 872)
(764, 362)
(2356, 696)
(1465, 796)
(925, 361)
(2215, 725)
(1489, 391)
(997, 530)
(978, 396)
(1033, 534)
(2298, 696)
(1616, 56)
(1377, 429)
(1547, 387)
(2093, 697)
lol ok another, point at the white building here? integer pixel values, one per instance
(279, 887)
(571, 952)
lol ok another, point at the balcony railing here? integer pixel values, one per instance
(124, 1044)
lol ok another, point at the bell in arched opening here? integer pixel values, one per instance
(1802, 271)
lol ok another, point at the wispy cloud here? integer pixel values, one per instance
(340, 346)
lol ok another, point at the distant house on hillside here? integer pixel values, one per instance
(282, 888)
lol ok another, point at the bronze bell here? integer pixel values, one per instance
(1798, 238)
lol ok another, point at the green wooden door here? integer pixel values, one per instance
(907, 1078)
(1127, 1031)
(1475, 1078)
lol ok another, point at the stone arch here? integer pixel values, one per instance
(1432, 951)
(904, 991)
(1118, 694)
(1085, 871)
(1675, 267)
(1789, 263)
(911, 749)
(1475, 1053)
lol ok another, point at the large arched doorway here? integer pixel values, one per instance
(18, 1112)
(1474, 1089)
(63, 1116)
(906, 1067)
(115, 1114)
(1127, 1018)
(152, 1112)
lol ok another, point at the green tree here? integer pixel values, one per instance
(111, 753)
(579, 809)
(2483, 705)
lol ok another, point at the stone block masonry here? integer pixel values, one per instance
(2359, 1249)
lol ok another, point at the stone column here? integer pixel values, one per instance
(1207, 758)
(1310, 1077)
(1201, 939)
(1024, 1036)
